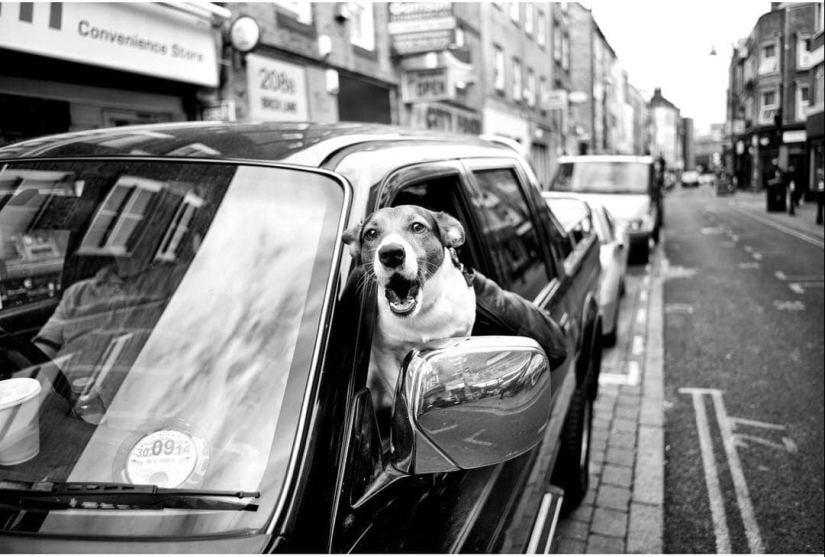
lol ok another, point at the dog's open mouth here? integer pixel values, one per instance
(401, 294)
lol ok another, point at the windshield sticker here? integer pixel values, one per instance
(167, 458)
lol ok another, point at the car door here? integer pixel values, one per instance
(378, 512)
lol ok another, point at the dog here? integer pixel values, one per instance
(423, 293)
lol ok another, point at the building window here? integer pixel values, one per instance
(498, 69)
(565, 52)
(802, 100)
(517, 87)
(528, 18)
(542, 94)
(362, 25)
(768, 107)
(116, 225)
(515, 15)
(768, 62)
(459, 37)
(179, 227)
(541, 29)
(531, 88)
(301, 11)
(556, 41)
(803, 53)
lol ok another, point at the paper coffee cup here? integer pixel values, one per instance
(19, 420)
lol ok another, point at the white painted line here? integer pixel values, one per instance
(757, 256)
(538, 526)
(740, 486)
(641, 316)
(638, 345)
(646, 281)
(750, 265)
(717, 504)
(643, 296)
(790, 305)
(796, 288)
(678, 308)
(612, 379)
(813, 241)
(634, 372)
(799, 278)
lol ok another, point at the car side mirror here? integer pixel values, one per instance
(465, 403)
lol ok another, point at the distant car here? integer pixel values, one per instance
(625, 185)
(572, 210)
(690, 179)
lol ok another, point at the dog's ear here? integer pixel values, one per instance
(352, 238)
(452, 233)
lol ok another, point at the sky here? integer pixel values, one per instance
(667, 44)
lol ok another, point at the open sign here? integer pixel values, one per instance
(427, 85)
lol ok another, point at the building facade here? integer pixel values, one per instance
(769, 94)
(666, 131)
(75, 66)
(815, 118)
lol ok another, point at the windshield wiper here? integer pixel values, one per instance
(115, 496)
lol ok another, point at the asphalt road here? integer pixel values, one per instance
(744, 395)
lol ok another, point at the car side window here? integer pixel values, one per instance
(512, 231)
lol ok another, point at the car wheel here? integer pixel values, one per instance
(610, 338)
(572, 472)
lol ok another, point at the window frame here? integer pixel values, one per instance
(499, 72)
(518, 84)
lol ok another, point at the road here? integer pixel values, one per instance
(743, 366)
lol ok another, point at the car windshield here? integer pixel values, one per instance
(158, 324)
(602, 177)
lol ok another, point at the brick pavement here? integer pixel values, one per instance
(623, 509)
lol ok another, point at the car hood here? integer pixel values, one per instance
(624, 206)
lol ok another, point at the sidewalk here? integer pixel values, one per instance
(803, 221)
(623, 511)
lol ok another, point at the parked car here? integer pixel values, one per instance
(624, 184)
(579, 217)
(690, 179)
(226, 410)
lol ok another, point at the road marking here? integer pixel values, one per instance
(638, 345)
(799, 287)
(790, 305)
(643, 296)
(750, 265)
(641, 316)
(711, 230)
(813, 241)
(740, 486)
(798, 278)
(634, 373)
(678, 308)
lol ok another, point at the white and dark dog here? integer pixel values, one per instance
(423, 293)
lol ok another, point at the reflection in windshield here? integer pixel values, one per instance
(181, 300)
(602, 177)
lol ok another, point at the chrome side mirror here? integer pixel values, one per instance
(469, 402)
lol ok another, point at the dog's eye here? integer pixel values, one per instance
(371, 234)
(417, 227)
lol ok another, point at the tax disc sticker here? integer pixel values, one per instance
(166, 458)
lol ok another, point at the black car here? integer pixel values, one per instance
(218, 401)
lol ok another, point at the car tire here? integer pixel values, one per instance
(609, 339)
(572, 471)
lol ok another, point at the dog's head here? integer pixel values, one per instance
(403, 247)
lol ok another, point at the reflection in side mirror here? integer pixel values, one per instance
(470, 402)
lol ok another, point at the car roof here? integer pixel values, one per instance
(304, 143)
(605, 158)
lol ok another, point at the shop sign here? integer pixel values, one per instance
(418, 27)
(444, 118)
(223, 112)
(427, 85)
(277, 90)
(426, 41)
(797, 136)
(141, 37)
(555, 99)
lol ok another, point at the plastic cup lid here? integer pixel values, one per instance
(17, 390)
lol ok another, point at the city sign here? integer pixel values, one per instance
(417, 27)
(426, 85)
(277, 90)
(141, 37)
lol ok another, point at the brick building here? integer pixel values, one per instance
(666, 130)
(769, 93)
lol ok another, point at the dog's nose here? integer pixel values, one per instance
(391, 255)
